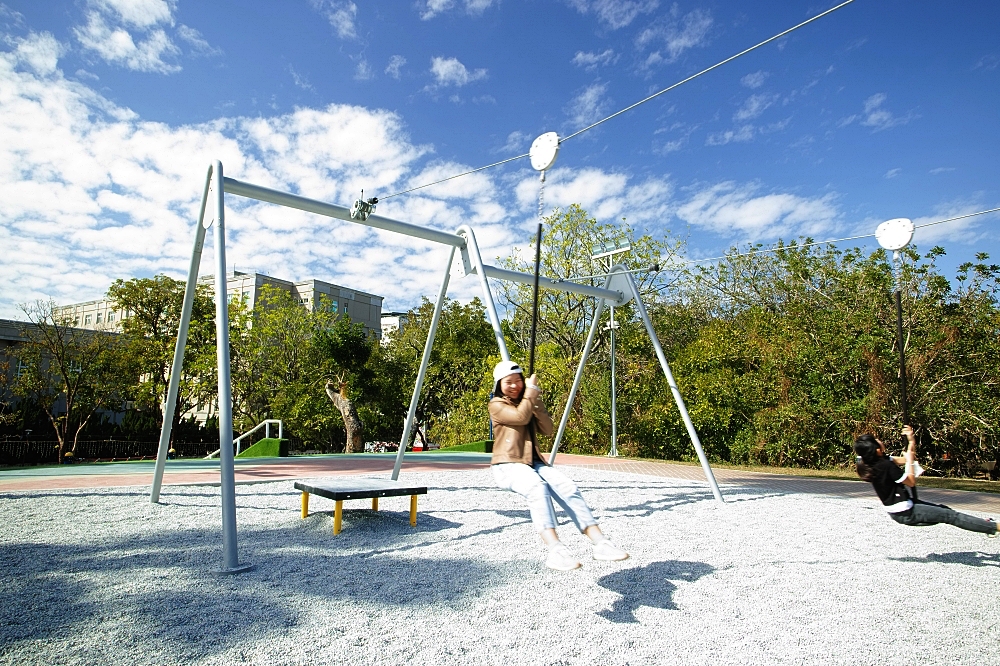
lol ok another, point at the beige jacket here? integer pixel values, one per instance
(512, 440)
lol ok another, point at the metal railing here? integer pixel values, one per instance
(265, 424)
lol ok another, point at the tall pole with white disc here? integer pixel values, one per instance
(894, 235)
(544, 150)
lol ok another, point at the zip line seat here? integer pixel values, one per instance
(351, 488)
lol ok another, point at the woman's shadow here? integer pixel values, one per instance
(648, 586)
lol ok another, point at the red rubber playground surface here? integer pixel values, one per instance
(262, 470)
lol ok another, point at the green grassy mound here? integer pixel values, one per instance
(485, 446)
(269, 447)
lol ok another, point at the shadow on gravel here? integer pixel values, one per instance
(648, 586)
(160, 590)
(971, 559)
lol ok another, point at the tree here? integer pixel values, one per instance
(453, 401)
(276, 371)
(150, 318)
(570, 238)
(346, 348)
(72, 373)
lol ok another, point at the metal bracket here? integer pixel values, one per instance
(619, 282)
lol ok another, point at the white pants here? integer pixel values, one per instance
(538, 485)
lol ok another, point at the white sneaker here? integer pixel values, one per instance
(608, 552)
(561, 559)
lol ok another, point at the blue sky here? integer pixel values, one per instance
(112, 110)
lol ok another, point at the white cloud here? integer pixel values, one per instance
(39, 51)
(451, 72)
(615, 14)
(363, 71)
(588, 106)
(396, 63)
(431, 8)
(116, 46)
(988, 62)
(590, 61)
(892, 173)
(606, 196)
(754, 80)
(938, 170)
(138, 13)
(92, 193)
(134, 34)
(341, 14)
(198, 44)
(516, 142)
(738, 210)
(674, 35)
(754, 106)
(967, 231)
(300, 80)
(876, 116)
(740, 135)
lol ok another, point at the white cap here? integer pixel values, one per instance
(505, 368)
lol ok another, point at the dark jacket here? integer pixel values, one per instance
(512, 438)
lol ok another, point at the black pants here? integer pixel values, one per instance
(925, 513)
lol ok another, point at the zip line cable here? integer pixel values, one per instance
(643, 101)
(960, 217)
(708, 69)
(789, 247)
(833, 240)
(457, 175)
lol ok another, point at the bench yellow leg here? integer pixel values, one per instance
(338, 514)
(413, 510)
(374, 504)
(305, 504)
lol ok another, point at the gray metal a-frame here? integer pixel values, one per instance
(619, 288)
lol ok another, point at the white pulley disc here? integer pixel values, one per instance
(544, 150)
(894, 234)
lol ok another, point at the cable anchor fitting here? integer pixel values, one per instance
(362, 209)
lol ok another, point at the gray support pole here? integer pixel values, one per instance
(422, 372)
(579, 375)
(614, 390)
(477, 262)
(182, 332)
(230, 553)
(641, 308)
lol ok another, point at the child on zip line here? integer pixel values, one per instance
(518, 416)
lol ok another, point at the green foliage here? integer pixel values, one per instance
(150, 314)
(457, 385)
(277, 370)
(69, 373)
(283, 354)
(796, 355)
(269, 447)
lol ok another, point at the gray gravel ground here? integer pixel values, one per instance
(104, 577)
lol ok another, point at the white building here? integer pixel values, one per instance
(358, 305)
(393, 321)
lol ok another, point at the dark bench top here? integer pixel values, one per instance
(355, 488)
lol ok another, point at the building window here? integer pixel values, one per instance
(345, 307)
(111, 317)
(22, 368)
(99, 315)
(87, 319)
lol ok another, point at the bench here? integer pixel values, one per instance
(350, 488)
